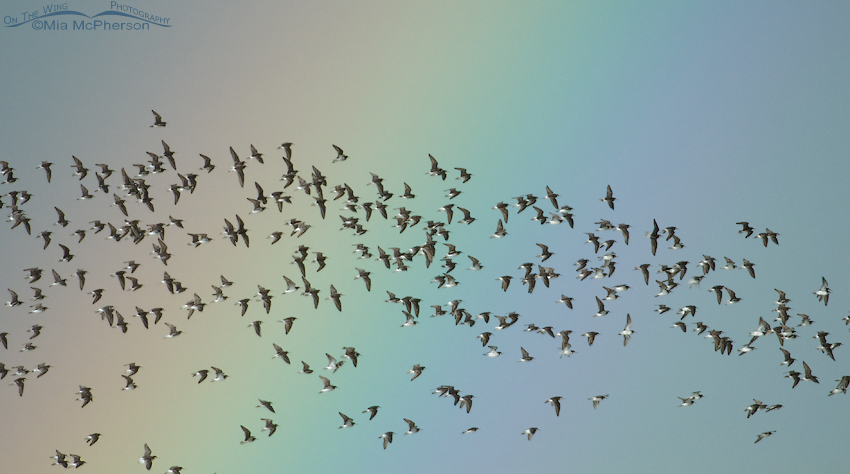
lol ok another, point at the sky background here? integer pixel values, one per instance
(697, 114)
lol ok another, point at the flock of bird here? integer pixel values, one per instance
(133, 186)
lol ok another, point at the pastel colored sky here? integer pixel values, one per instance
(697, 114)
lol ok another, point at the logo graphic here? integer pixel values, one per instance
(51, 17)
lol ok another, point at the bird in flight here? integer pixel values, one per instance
(248, 437)
(157, 123)
(609, 198)
(597, 399)
(387, 437)
(530, 432)
(416, 371)
(340, 156)
(555, 402)
(147, 458)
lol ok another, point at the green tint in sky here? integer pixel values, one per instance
(698, 115)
